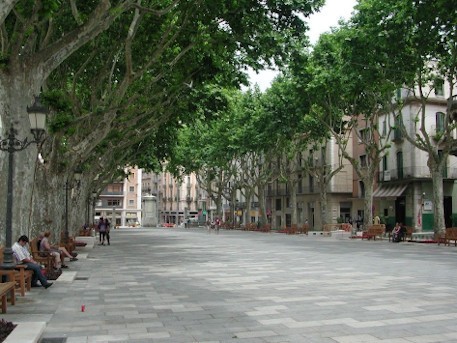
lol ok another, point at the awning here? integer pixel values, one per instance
(389, 191)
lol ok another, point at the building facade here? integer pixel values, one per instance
(120, 201)
(405, 189)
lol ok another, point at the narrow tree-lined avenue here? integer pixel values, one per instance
(156, 83)
(120, 76)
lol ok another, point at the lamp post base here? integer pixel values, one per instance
(7, 259)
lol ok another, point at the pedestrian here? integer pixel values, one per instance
(377, 220)
(218, 224)
(102, 231)
(107, 228)
(23, 256)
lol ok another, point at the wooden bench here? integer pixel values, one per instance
(70, 245)
(5, 288)
(373, 231)
(250, 227)
(408, 233)
(291, 230)
(304, 229)
(44, 258)
(265, 228)
(450, 235)
(328, 228)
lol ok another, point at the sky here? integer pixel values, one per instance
(319, 23)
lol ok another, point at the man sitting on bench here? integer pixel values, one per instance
(22, 255)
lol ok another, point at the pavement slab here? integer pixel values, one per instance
(188, 285)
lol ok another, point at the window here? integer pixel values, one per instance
(278, 205)
(287, 202)
(311, 184)
(398, 135)
(362, 189)
(384, 163)
(114, 202)
(384, 129)
(439, 87)
(131, 202)
(398, 94)
(132, 189)
(300, 184)
(400, 165)
(363, 161)
(439, 122)
(365, 135)
(311, 158)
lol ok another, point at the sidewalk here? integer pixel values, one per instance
(178, 285)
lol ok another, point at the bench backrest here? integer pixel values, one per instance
(33, 244)
(377, 229)
(451, 232)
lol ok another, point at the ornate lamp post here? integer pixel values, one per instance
(11, 144)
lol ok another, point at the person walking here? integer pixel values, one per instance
(102, 230)
(107, 228)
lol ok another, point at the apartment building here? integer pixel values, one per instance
(405, 189)
(178, 200)
(120, 201)
(311, 205)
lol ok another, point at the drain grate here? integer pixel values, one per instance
(54, 340)
(81, 278)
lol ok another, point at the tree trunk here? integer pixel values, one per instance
(247, 212)
(439, 225)
(368, 203)
(262, 205)
(293, 202)
(324, 203)
(16, 93)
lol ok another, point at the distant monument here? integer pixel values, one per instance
(149, 211)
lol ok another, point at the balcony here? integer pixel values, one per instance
(411, 173)
(106, 193)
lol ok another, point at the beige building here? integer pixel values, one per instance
(120, 202)
(177, 200)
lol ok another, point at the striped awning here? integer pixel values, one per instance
(389, 191)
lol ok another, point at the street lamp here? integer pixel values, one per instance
(11, 144)
(77, 176)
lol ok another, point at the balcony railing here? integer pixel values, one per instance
(409, 173)
(112, 193)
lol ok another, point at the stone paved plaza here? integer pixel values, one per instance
(178, 285)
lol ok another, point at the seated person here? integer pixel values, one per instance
(22, 255)
(59, 253)
(397, 233)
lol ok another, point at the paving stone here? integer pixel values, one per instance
(178, 285)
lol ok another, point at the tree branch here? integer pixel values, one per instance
(75, 12)
(101, 18)
(5, 8)
(158, 13)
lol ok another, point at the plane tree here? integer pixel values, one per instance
(347, 91)
(116, 72)
(415, 48)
